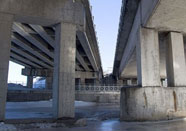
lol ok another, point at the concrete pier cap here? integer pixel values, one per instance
(45, 12)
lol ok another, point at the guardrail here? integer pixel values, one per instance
(96, 88)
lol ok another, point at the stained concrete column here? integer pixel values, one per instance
(129, 82)
(48, 82)
(5, 44)
(175, 60)
(82, 81)
(125, 82)
(119, 82)
(29, 81)
(64, 71)
(148, 63)
(134, 81)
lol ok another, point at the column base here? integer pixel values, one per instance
(152, 103)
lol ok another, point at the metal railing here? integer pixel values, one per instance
(97, 88)
(87, 88)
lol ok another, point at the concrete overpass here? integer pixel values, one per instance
(156, 17)
(53, 39)
(151, 47)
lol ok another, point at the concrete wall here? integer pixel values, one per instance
(99, 97)
(29, 95)
(42, 95)
(152, 103)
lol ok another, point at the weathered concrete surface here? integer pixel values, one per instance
(28, 95)
(64, 70)
(148, 63)
(6, 22)
(152, 103)
(25, 95)
(160, 15)
(44, 12)
(99, 97)
(48, 82)
(168, 16)
(29, 81)
(176, 68)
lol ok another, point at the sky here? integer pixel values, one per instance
(106, 18)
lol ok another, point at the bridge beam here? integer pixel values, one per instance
(87, 48)
(20, 43)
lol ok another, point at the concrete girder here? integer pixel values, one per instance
(43, 34)
(20, 62)
(90, 29)
(131, 43)
(130, 70)
(128, 13)
(29, 49)
(49, 73)
(82, 62)
(19, 58)
(86, 75)
(30, 57)
(17, 27)
(86, 46)
(78, 68)
(37, 72)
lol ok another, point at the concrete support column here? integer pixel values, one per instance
(6, 22)
(129, 82)
(48, 82)
(148, 63)
(82, 81)
(125, 82)
(64, 71)
(134, 81)
(175, 60)
(29, 81)
(119, 82)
